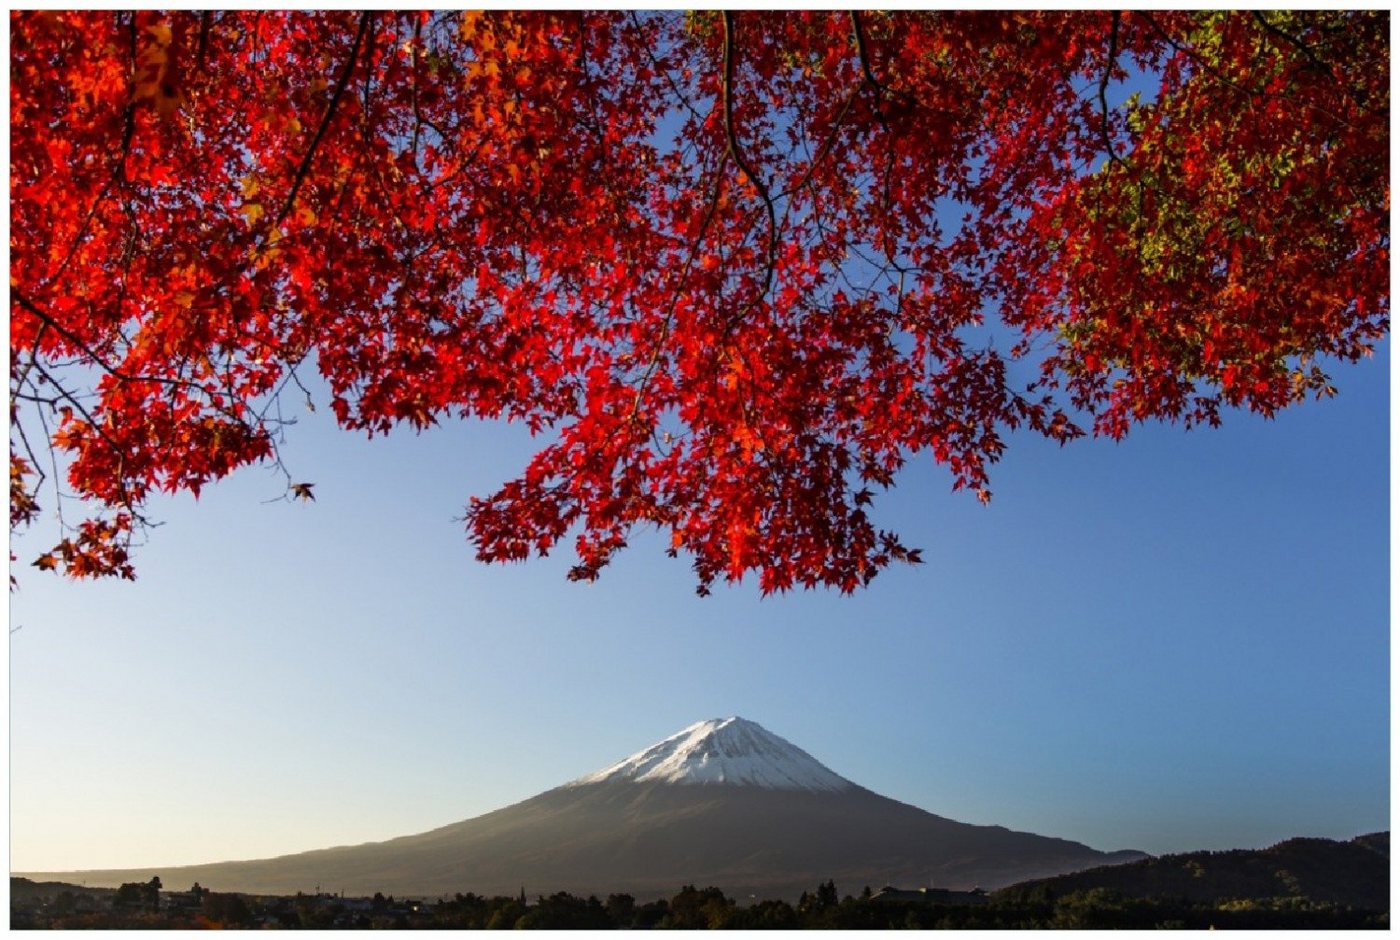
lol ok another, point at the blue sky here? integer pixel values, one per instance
(1180, 641)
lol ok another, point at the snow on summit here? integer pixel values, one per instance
(724, 751)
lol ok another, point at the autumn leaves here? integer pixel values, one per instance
(726, 262)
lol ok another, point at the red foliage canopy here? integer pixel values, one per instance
(733, 263)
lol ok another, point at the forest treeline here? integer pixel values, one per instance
(1300, 883)
(710, 908)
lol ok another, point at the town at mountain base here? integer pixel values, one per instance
(724, 803)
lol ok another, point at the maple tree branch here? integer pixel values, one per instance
(340, 85)
(814, 162)
(1314, 61)
(665, 73)
(695, 246)
(864, 56)
(33, 457)
(203, 39)
(33, 398)
(879, 91)
(822, 151)
(118, 171)
(53, 465)
(732, 139)
(1195, 56)
(369, 72)
(1250, 93)
(1108, 67)
(117, 451)
(19, 379)
(1293, 41)
(91, 355)
(71, 337)
(417, 112)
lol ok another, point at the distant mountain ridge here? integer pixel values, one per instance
(1354, 874)
(724, 802)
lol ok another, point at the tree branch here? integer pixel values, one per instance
(879, 91)
(1293, 41)
(1109, 64)
(865, 62)
(727, 87)
(365, 19)
(118, 171)
(91, 355)
(695, 247)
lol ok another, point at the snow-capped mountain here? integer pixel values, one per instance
(724, 802)
(731, 751)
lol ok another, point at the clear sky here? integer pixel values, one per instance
(1177, 642)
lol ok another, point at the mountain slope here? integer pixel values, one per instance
(723, 803)
(1354, 874)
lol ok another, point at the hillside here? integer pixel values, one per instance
(1353, 874)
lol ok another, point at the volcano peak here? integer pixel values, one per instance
(724, 751)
